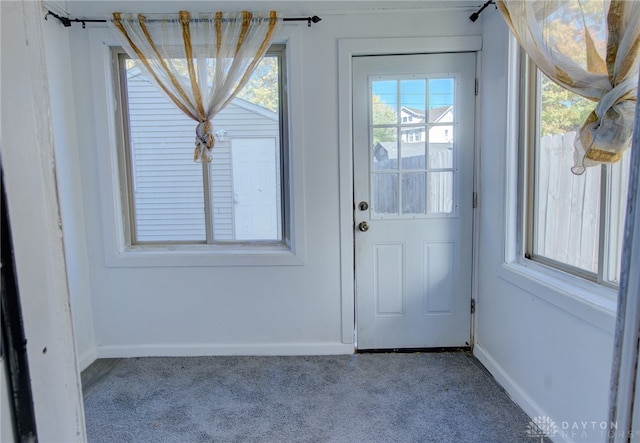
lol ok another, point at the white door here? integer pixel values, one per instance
(413, 126)
(255, 188)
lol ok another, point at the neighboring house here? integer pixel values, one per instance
(441, 118)
(440, 140)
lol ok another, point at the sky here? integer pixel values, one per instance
(413, 93)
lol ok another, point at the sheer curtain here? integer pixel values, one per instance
(201, 62)
(589, 47)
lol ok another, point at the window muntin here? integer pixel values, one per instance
(240, 196)
(412, 162)
(573, 223)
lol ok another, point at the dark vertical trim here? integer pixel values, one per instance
(14, 343)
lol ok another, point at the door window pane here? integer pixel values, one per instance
(385, 148)
(440, 188)
(412, 154)
(413, 93)
(441, 115)
(385, 194)
(441, 94)
(413, 193)
(384, 102)
(440, 155)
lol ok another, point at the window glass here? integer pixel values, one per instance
(167, 185)
(570, 227)
(238, 196)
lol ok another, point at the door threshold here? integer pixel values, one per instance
(413, 350)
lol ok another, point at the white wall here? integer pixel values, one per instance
(551, 350)
(57, 51)
(230, 309)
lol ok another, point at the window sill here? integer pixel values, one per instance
(589, 301)
(205, 256)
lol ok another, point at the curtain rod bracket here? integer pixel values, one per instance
(64, 20)
(473, 17)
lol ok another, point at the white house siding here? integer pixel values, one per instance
(440, 131)
(443, 132)
(168, 184)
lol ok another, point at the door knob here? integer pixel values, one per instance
(363, 226)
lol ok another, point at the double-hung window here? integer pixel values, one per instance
(572, 222)
(240, 197)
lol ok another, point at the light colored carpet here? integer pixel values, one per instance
(421, 397)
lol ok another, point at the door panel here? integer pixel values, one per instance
(389, 274)
(413, 127)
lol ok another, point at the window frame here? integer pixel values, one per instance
(125, 174)
(530, 105)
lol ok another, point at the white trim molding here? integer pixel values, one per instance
(116, 251)
(239, 349)
(87, 358)
(517, 394)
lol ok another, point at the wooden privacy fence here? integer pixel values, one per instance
(422, 190)
(566, 206)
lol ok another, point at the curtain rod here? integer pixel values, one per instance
(67, 22)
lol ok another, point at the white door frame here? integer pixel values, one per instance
(31, 187)
(347, 49)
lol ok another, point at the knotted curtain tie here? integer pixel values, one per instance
(608, 130)
(204, 142)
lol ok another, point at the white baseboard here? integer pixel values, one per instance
(513, 389)
(86, 358)
(530, 407)
(200, 350)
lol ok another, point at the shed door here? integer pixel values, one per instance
(255, 188)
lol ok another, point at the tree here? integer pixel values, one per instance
(383, 113)
(262, 87)
(562, 110)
